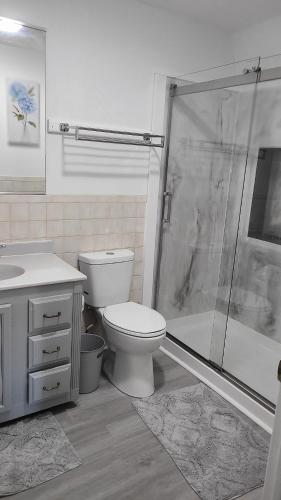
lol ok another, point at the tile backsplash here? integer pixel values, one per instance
(78, 224)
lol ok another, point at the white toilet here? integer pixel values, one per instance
(133, 331)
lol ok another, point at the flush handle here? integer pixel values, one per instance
(167, 206)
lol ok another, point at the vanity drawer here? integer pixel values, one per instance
(49, 347)
(48, 384)
(51, 311)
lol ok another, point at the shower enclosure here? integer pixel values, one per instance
(219, 263)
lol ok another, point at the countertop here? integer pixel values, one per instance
(40, 269)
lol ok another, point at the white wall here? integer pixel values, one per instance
(101, 60)
(262, 39)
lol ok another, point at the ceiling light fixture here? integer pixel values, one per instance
(9, 26)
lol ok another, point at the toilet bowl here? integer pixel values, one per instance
(133, 331)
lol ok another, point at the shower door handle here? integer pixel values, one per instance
(167, 206)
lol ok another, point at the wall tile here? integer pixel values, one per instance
(58, 245)
(71, 244)
(95, 210)
(138, 268)
(139, 252)
(4, 231)
(78, 224)
(137, 282)
(37, 229)
(139, 240)
(54, 228)
(71, 227)
(99, 242)
(71, 258)
(86, 243)
(54, 211)
(19, 212)
(140, 212)
(71, 211)
(86, 227)
(19, 230)
(37, 211)
(4, 212)
(128, 240)
(136, 296)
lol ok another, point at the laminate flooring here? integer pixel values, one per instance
(122, 459)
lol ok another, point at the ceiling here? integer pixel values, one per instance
(230, 15)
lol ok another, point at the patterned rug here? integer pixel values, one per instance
(220, 452)
(33, 450)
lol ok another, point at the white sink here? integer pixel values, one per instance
(8, 271)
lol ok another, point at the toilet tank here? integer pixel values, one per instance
(109, 276)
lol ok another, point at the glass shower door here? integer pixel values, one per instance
(207, 152)
(253, 337)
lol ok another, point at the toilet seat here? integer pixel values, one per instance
(135, 320)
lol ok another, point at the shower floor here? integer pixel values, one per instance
(249, 356)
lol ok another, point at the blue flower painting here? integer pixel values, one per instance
(23, 112)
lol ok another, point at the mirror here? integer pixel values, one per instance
(22, 108)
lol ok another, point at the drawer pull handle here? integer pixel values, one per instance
(51, 388)
(51, 352)
(49, 316)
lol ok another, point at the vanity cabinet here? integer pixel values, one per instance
(5, 357)
(40, 347)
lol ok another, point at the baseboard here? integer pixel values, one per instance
(221, 385)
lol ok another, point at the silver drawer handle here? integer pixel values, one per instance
(49, 316)
(51, 352)
(51, 388)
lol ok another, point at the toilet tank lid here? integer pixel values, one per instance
(107, 256)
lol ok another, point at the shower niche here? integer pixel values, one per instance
(265, 215)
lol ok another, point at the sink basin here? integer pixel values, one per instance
(7, 271)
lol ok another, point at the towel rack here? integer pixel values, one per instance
(81, 133)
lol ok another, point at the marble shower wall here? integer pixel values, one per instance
(205, 146)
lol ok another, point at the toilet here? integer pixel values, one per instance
(133, 331)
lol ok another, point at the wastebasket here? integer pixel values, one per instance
(92, 347)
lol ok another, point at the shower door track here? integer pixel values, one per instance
(255, 76)
(224, 374)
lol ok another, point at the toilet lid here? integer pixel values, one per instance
(135, 319)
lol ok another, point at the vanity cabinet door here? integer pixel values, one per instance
(5, 357)
(49, 347)
(53, 311)
(49, 384)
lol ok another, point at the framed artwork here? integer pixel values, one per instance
(23, 107)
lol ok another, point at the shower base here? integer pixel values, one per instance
(249, 356)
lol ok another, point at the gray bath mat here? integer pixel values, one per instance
(33, 450)
(220, 452)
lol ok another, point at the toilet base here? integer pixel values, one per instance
(130, 373)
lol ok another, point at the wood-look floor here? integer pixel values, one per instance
(122, 460)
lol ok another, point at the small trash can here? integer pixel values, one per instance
(92, 347)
